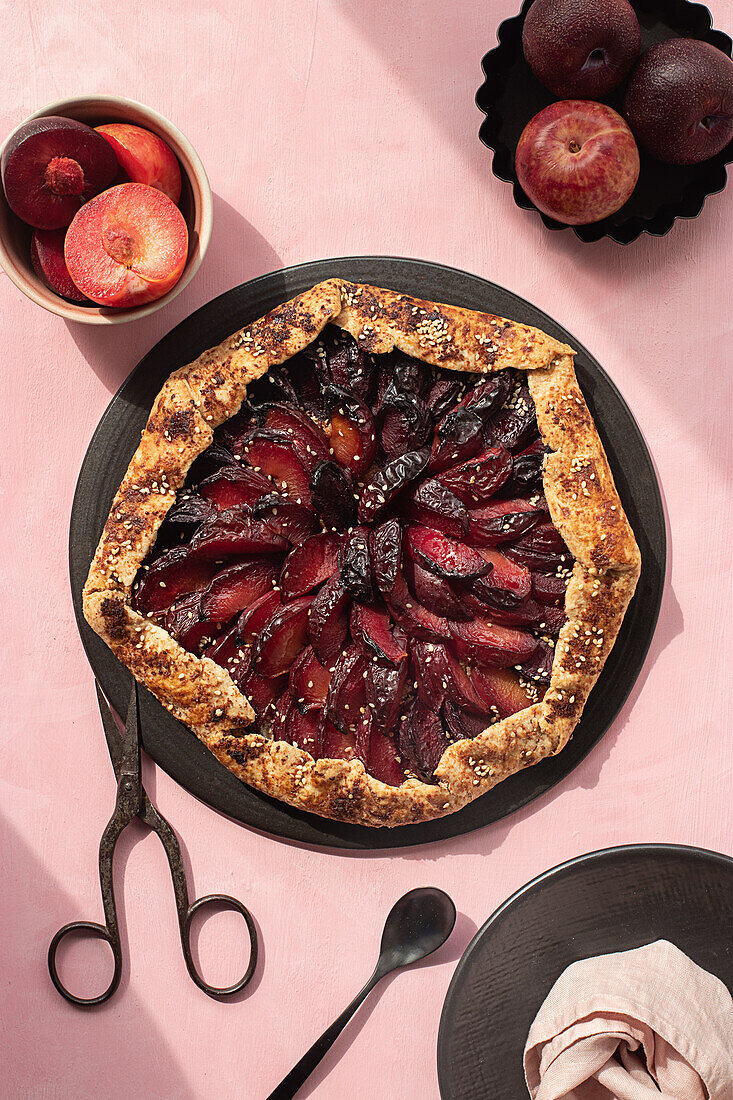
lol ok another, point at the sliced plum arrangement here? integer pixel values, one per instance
(366, 549)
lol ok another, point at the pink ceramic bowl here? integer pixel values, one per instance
(195, 203)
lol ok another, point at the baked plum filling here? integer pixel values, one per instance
(366, 549)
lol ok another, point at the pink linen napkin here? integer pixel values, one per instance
(647, 1024)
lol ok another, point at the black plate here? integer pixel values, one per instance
(511, 95)
(613, 900)
(173, 746)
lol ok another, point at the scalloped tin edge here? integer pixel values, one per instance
(495, 62)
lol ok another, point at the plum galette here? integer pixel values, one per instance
(370, 551)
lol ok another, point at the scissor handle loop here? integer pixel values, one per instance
(227, 902)
(92, 930)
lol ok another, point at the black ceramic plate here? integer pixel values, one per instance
(613, 900)
(174, 747)
(510, 96)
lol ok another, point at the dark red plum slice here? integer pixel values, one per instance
(346, 703)
(506, 584)
(309, 564)
(464, 724)
(353, 439)
(183, 621)
(274, 386)
(415, 619)
(297, 424)
(502, 521)
(274, 454)
(329, 620)
(475, 482)
(382, 761)
(332, 494)
(525, 612)
(304, 729)
(350, 367)
(169, 577)
(552, 621)
(49, 263)
(404, 424)
(410, 375)
(538, 668)
(501, 691)
(305, 377)
(236, 588)
(387, 555)
(384, 484)
(217, 456)
(371, 629)
(542, 549)
(293, 521)
(256, 616)
(439, 676)
(355, 564)
(433, 505)
(489, 644)
(442, 555)
(458, 437)
(385, 688)
(525, 478)
(435, 593)
(279, 714)
(189, 510)
(261, 691)
(549, 588)
(282, 639)
(309, 680)
(444, 395)
(336, 745)
(235, 532)
(421, 741)
(515, 424)
(232, 486)
(489, 395)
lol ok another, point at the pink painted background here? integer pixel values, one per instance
(331, 128)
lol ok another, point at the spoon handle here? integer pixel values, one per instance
(302, 1070)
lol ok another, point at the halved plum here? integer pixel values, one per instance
(404, 424)
(458, 437)
(490, 644)
(293, 521)
(435, 593)
(384, 484)
(236, 588)
(282, 639)
(502, 521)
(355, 564)
(234, 485)
(309, 680)
(433, 505)
(371, 629)
(332, 494)
(309, 564)
(274, 454)
(475, 482)
(386, 555)
(442, 555)
(169, 577)
(234, 532)
(329, 620)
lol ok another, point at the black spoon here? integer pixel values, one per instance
(417, 925)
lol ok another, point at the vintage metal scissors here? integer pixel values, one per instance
(132, 802)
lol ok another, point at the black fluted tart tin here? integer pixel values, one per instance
(511, 95)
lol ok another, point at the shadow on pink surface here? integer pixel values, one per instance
(464, 931)
(51, 1048)
(237, 252)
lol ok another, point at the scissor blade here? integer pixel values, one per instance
(131, 744)
(111, 731)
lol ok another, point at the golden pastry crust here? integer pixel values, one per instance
(581, 495)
